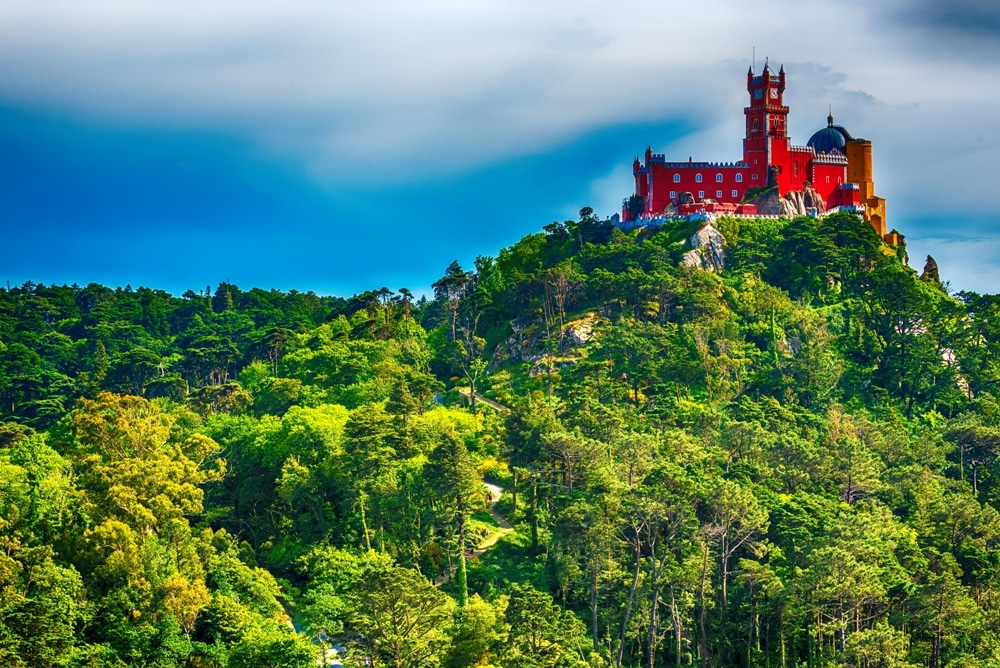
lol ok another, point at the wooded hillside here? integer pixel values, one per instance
(789, 462)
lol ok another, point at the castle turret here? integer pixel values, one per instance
(859, 170)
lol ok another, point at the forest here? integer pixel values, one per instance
(789, 462)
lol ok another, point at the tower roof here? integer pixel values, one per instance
(829, 138)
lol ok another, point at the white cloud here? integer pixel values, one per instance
(361, 90)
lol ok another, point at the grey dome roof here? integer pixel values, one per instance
(829, 138)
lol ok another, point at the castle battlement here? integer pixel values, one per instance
(831, 159)
(699, 165)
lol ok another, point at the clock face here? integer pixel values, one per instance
(758, 93)
(774, 93)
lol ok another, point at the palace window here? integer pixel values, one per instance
(697, 178)
(739, 178)
(673, 194)
(828, 179)
(701, 194)
(755, 175)
(718, 178)
(677, 178)
(736, 193)
(718, 193)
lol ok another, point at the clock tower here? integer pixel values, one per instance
(766, 141)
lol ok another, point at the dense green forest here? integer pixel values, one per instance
(790, 462)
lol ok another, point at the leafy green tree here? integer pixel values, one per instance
(278, 649)
(452, 475)
(403, 619)
(369, 458)
(479, 634)
(541, 634)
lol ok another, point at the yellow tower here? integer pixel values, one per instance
(859, 170)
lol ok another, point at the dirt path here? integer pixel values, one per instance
(480, 399)
(505, 528)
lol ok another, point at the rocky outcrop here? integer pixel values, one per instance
(525, 344)
(579, 332)
(708, 250)
(768, 203)
(812, 199)
(930, 273)
(794, 203)
(800, 202)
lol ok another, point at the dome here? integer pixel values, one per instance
(829, 138)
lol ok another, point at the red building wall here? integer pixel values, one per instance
(825, 178)
(765, 146)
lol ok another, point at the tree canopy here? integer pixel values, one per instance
(792, 461)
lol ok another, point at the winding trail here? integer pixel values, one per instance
(505, 528)
(480, 399)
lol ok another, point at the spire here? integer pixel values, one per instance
(829, 119)
(781, 70)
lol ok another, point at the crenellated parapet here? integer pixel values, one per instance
(830, 159)
(700, 165)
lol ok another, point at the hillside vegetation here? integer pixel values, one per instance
(790, 462)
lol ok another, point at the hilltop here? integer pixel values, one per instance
(782, 451)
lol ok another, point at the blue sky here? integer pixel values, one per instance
(332, 148)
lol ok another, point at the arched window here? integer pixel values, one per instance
(677, 178)
(739, 178)
(828, 179)
(697, 178)
(718, 178)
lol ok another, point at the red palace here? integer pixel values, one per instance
(833, 165)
